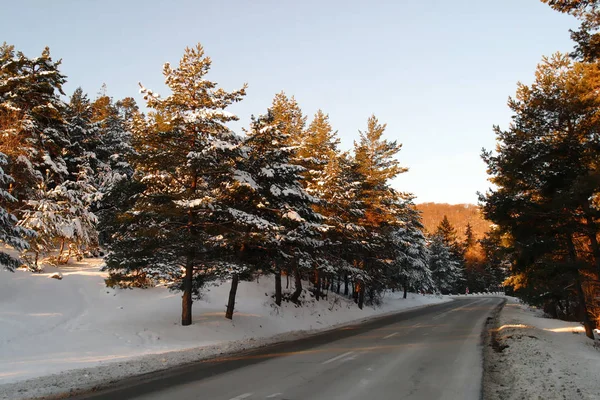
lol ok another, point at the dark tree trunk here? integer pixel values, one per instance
(231, 304)
(186, 305)
(188, 279)
(405, 284)
(277, 286)
(587, 322)
(361, 295)
(354, 292)
(551, 308)
(339, 283)
(298, 289)
(317, 285)
(346, 288)
(287, 280)
(595, 248)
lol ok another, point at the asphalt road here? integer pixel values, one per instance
(429, 353)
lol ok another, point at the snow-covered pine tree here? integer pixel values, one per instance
(36, 134)
(113, 153)
(61, 219)
(69, 200)
(318, 146)
(280, 201)
(186, 162)
(10, 234)
(291, 121)
(288, 116)
(446, 271)
(450, 237)
(376, 166)
(340, 204)
(410, 268)
(114, 147)
(38, 138)
(84, 137)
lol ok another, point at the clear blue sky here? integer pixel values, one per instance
(437, 72)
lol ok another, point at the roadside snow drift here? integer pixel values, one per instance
(541, 358)
(52, 325)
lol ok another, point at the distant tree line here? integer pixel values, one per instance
(459, 215)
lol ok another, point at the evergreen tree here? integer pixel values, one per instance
(497, 259)
(83, 136)
(34, 130)
(61, 219)
(448, 234)
(186, 162)
(290, 230)
(444, 268)
(10, 234)
(411, 262)
(114, 153)
(376, 162)
(469, 237)
(315, 149)
(587, 38)
(343, 208)
(288, 116)
(546, 175)
(375, 165)
(50, 189)
(318, 147)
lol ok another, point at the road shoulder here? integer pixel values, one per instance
(527, 356)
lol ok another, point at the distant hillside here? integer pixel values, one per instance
(458, 215)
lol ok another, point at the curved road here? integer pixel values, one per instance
(428, 353)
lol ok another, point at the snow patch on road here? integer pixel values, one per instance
(540, 358)
(75, 333)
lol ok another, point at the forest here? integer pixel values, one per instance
(169, 195)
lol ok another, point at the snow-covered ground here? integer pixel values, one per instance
(49, 326)
(541, 358)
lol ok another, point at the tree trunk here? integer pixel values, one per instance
(405, 284)
(287, 280)
(595, 249)
(361, 295)
(277, 286)
(587, 322)
(354, 292)
(231, 304)
(186, 306)
(346, 288)
(188, 279)
(60, 252)
(339, 283)
(317, 285)
(298, 289)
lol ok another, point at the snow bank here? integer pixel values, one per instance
(541, 358)
(49, 326)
